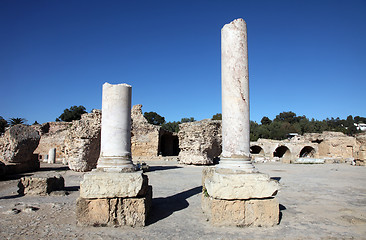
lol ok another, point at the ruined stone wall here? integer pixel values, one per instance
(144, 136)
(361, 153)
(200, 142)
(335, 145)
(331, 146)
(82, 142)
(53, 135)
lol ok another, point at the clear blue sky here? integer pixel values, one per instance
(308, 57)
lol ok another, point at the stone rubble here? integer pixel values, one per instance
(17, 145)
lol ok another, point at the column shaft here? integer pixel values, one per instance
(115, 153)
(235, 97)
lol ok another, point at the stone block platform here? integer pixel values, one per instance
(41, 184)
(113, 199)
(239, 199)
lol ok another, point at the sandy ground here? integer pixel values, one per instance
(317, 202)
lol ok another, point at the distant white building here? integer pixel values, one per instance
(361, 126)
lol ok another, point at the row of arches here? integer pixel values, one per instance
(283, 151)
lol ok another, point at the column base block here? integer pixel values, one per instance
(230, 185)
(100, 184)
(114, 212)
(241, 213)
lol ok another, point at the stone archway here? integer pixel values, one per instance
(257, 150)
(283, 153)
(307, 151)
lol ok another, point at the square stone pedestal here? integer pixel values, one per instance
(114, 199)
(239, 199)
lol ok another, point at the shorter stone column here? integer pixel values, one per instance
(52, 155)
(114, 194)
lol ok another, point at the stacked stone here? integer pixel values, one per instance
(234, 192)
(114, 194)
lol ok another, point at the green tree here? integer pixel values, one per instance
(217, 116)
(171, 126)
(154, 118)
(289, 117)
(72, 113)
(3, 124)
(266, 121)
(15, 121)
(185, 120)
(35, 123)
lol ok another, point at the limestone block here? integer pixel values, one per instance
(92, 211)
(262, 212)
(41, 184)
(99, 184)
(223, 212)
(310, 161)
(114, 211)
(256, 213)
(222, 184)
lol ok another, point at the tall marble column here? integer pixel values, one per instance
(115, 154)
(235, 183)
(235, 98)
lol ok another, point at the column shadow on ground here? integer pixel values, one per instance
(164, 207)
(161, 168)
(282, 208)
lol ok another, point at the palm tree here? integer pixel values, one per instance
(15, 121)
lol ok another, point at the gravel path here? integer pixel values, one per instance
(317, 202)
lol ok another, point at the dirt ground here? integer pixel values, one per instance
(317, 202)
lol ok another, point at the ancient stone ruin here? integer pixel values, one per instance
(82, 142)
(114, 194)
(200, 142)
(53, 135)
(234, 192)
(16, 150)
(149, 141)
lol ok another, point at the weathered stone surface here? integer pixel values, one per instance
(199, 142)
(227, 185)
(82, 143)
(256, 213)
(262, 212)
(93, 212)
(224, 212)
(41, 184)
(235, 91)
(144, 136)
(16, 149)
(99, 184)
(114, 211)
